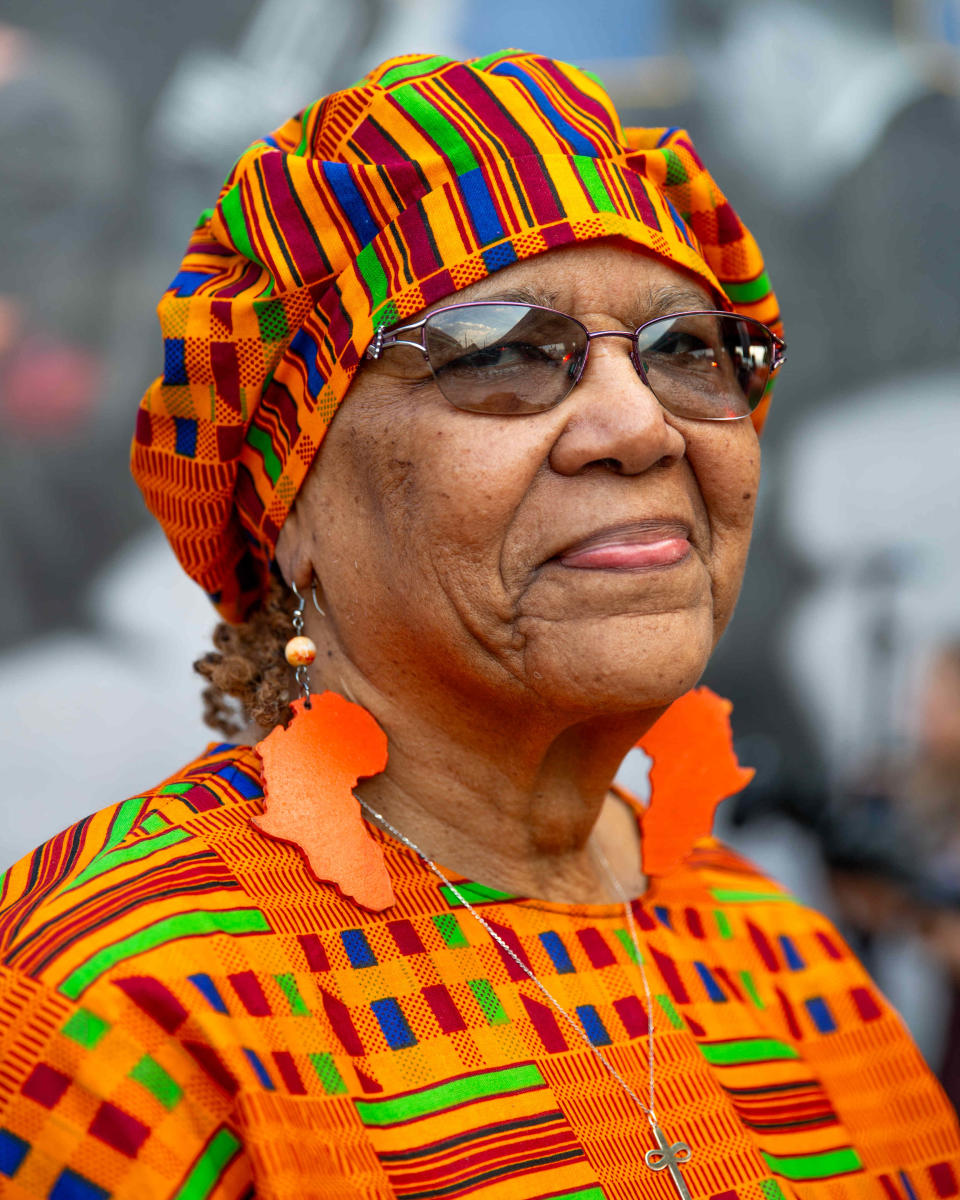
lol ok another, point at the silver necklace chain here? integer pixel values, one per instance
(575, 1024)
(665, 1156)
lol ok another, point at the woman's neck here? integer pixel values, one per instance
(512, 804)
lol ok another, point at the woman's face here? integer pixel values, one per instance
(583, 560)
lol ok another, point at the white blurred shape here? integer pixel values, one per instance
(414, 27)
(806, 94)
(874, 475)
(286, 56)
(92, 719)
(634, 774)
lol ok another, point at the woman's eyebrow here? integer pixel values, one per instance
(670, 299)
(524, 295)
(520, 294)
(660, 301)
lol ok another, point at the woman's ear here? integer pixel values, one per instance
(293, 553)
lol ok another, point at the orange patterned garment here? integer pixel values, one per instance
(185, 1012)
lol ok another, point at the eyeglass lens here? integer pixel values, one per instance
(515, 359)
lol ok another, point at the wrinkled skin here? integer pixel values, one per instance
(507, 681)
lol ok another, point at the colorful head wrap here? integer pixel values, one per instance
(374, 202)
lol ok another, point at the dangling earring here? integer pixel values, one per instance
(310, 769)
(301, 651)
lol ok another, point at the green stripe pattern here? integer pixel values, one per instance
(288, 985)
(626, 941)
(723, 924)
(736, 896)
(586, 168)
(670, 1011)
(449, 929)
(85, 1028)
(676, 172)
(800, 1167)
(749, 292)
(123, 821)
(374, 276)
(430, 1101)
(305, 121)
(399, 74)
(259, 439)
(158, 1082)
(109, 860)
(170, 929)
(489, 1002)
(231, 206)
(747, 1050)
(327, 1073)
(474, 893)
(208, 1168)
(751, 989)
(449, 139)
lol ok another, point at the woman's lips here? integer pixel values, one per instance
(630, 548)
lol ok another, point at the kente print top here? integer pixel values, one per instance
(185, 1012)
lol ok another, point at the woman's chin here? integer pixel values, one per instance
(621, 665)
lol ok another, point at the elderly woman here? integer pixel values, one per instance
(462, 389)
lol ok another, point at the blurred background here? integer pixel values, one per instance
(835, 130)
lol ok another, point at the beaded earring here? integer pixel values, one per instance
(301, 650)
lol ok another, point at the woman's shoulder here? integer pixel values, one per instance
(721, 895)
(149, 863)
(715, 876)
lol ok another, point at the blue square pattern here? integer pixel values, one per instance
(186, 283)
(13, 1150)
(820, 1014)
(791, 953)
(559, 956)
(247, 787)
(390, 1016)
(358, 948)
(499, 256)
(72, 1186)
(662, 913)
(208, 990)
(186, 429)
(174, 361)
(595, 1029)
(714, 990)
(259, 1069)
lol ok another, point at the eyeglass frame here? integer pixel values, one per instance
(383, 340)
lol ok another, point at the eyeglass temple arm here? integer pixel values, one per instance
(382, 339)
(779, 354)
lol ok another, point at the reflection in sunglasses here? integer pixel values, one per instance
(506, 358)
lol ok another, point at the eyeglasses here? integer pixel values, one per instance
(506, 358)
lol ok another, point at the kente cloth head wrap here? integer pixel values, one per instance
(371, 204)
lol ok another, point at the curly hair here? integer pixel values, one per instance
(248, 677)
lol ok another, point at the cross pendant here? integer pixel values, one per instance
(669, 1158)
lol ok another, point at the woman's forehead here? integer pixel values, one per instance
(574, 276)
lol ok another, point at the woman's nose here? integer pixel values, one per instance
(613, 419)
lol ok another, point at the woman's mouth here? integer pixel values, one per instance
(646, 545)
